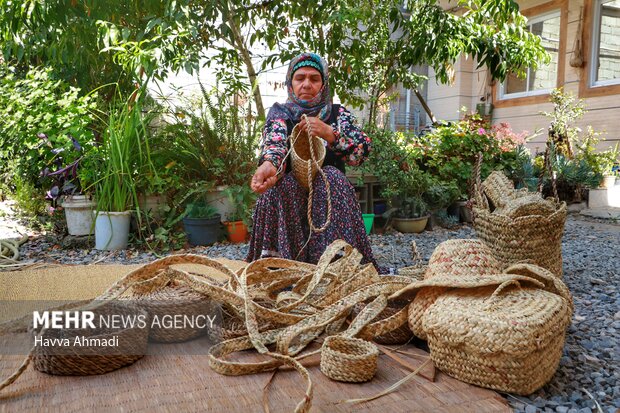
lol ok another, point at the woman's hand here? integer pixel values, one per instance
(319, 128)
(264, 178)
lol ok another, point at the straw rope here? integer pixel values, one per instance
(310, 167)
(9, 252)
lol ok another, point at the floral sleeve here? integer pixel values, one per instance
(351, 143)
(273, 147)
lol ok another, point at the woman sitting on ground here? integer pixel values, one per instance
(281, 227)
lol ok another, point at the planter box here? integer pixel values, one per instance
(602, 198)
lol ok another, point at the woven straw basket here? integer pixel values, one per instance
(301, 157)
(455, 258)
(349, 359)
(176, 300)
(508, 339)
(524, 227)
(86, 359)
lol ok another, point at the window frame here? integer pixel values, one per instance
(585, 88)
(543, 96)
(557, 13)
(595, 47)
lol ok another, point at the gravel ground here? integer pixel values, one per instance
(589, 372)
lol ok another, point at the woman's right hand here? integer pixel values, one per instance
(264, 178)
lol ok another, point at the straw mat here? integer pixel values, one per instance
(72, 283)
(184, 382)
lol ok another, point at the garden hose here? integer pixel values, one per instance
(9, 251)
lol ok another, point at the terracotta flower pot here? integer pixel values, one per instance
(237, 231)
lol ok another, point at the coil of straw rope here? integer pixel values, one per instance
(536, 237)
(9, 252)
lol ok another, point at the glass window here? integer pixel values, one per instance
(543, 79)
(606, 43)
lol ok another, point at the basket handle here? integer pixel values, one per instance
(492, 300)
(479, 198)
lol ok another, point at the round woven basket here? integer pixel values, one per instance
(510, 341)
(180, 302)
(301, 159)
(83, 360)
(349, 359)
(455, 257)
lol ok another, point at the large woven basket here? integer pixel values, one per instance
(82, 360)
(301, 157)
(454, 258)
(509, 340)
(515, 237)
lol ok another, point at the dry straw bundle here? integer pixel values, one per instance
(523, 227)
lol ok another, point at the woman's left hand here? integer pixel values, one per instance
(319, 128)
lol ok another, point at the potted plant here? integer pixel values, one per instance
(66, 188)
(202, 223)
(411, 216)
(123, 153)
(242, 198)
(608, 159)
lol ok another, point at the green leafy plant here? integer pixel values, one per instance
(243, 200)
(33, 103)
(562, 131)
(124, 152)
(200, 209)
(211, 139)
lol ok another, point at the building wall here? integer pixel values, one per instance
(603, 104)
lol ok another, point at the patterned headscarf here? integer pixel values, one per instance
(319, 106)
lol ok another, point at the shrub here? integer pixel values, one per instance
(34, 103)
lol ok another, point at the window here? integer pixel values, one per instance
(605, 43)
(544, 79)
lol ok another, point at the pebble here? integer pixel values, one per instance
(591, 255)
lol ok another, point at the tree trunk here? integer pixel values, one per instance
(245, 55)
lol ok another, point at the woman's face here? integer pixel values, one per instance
(307, 83)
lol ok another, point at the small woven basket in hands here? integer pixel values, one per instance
(455, 258)
(349, 359)
(301, 157)
(83, 360)
(179, 301)
(509, 339)
(535, 238)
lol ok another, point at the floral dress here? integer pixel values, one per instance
(281, 227)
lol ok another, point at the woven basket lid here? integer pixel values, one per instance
(517, 321)
(458, 257)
